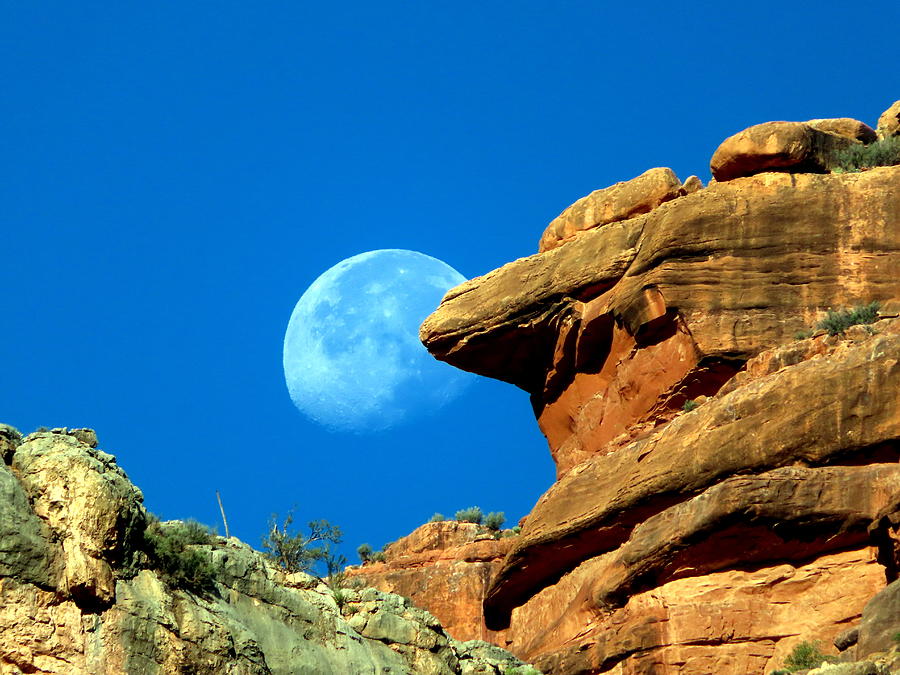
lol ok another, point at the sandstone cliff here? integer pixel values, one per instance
(445, 567)
(79, 596)
(728, 485)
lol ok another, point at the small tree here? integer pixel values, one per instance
(296, 552)
(364, 551)
(470, 515)
(494, 520)
(437, 518)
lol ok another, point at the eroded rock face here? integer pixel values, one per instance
(726, 489)
(612, 332)
(609, 205)
(446, 568)
(77, 596)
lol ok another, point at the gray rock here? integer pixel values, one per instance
(846, 638)
(25, 551)
(880, 622)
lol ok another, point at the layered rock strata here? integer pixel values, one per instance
(445, 567)
(78, 596)
(712, 540)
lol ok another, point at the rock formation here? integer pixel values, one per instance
(78, 595)
(445, 567)
(727, 482)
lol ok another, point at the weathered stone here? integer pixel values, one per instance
(258, 620)
(10, 439)
(691, 185)
(847, 127)
(743, 620)
(796, 147)
(88, 504)
(797, 414)
(444, 567)
(25, 550)
(889, 122)
(846, 638)
(880, 622)
(614, 331)
(618, 202)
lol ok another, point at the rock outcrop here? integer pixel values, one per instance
(79, 595)
(445, 567)
(727, 481)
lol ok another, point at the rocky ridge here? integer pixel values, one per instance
(77, 595)
(727, 486)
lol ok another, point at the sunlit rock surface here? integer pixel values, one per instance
(727, 482)
(77, 596)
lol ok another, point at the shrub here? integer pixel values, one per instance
(517, 529)
(470, 515)
(364, 551)
(494, 520)
(169, 549)
(805, 655)
(836, 322)
(689, 405)
(885, 152)
(297, 552)
(437, 518)
(521, 670)
(379, 556)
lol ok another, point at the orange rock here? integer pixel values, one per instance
(445, 568)
(889, 122)
(847, 127)
(775, 146)
(609, 205)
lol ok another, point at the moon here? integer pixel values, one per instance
(352, 357)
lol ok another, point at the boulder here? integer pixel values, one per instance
(618, 202)
(880, 623)
(847, 127)
(889, 122)
(795, 147)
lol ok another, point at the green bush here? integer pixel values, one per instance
(437, 518)
(379, 556)
(298, 552)
(689, 405)
(169, 548)
(521, 670)
(836, 322)
(470, 515)
(494, 520)
(364, 551)
(805, 655)
(856, 157)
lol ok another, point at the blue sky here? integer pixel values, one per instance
(176, 174)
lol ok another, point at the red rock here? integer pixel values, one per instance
(445, 568)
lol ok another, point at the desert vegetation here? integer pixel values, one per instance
(804, 656)
(837, 321)
(295, 551)
(885, 152)
(172, 551)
